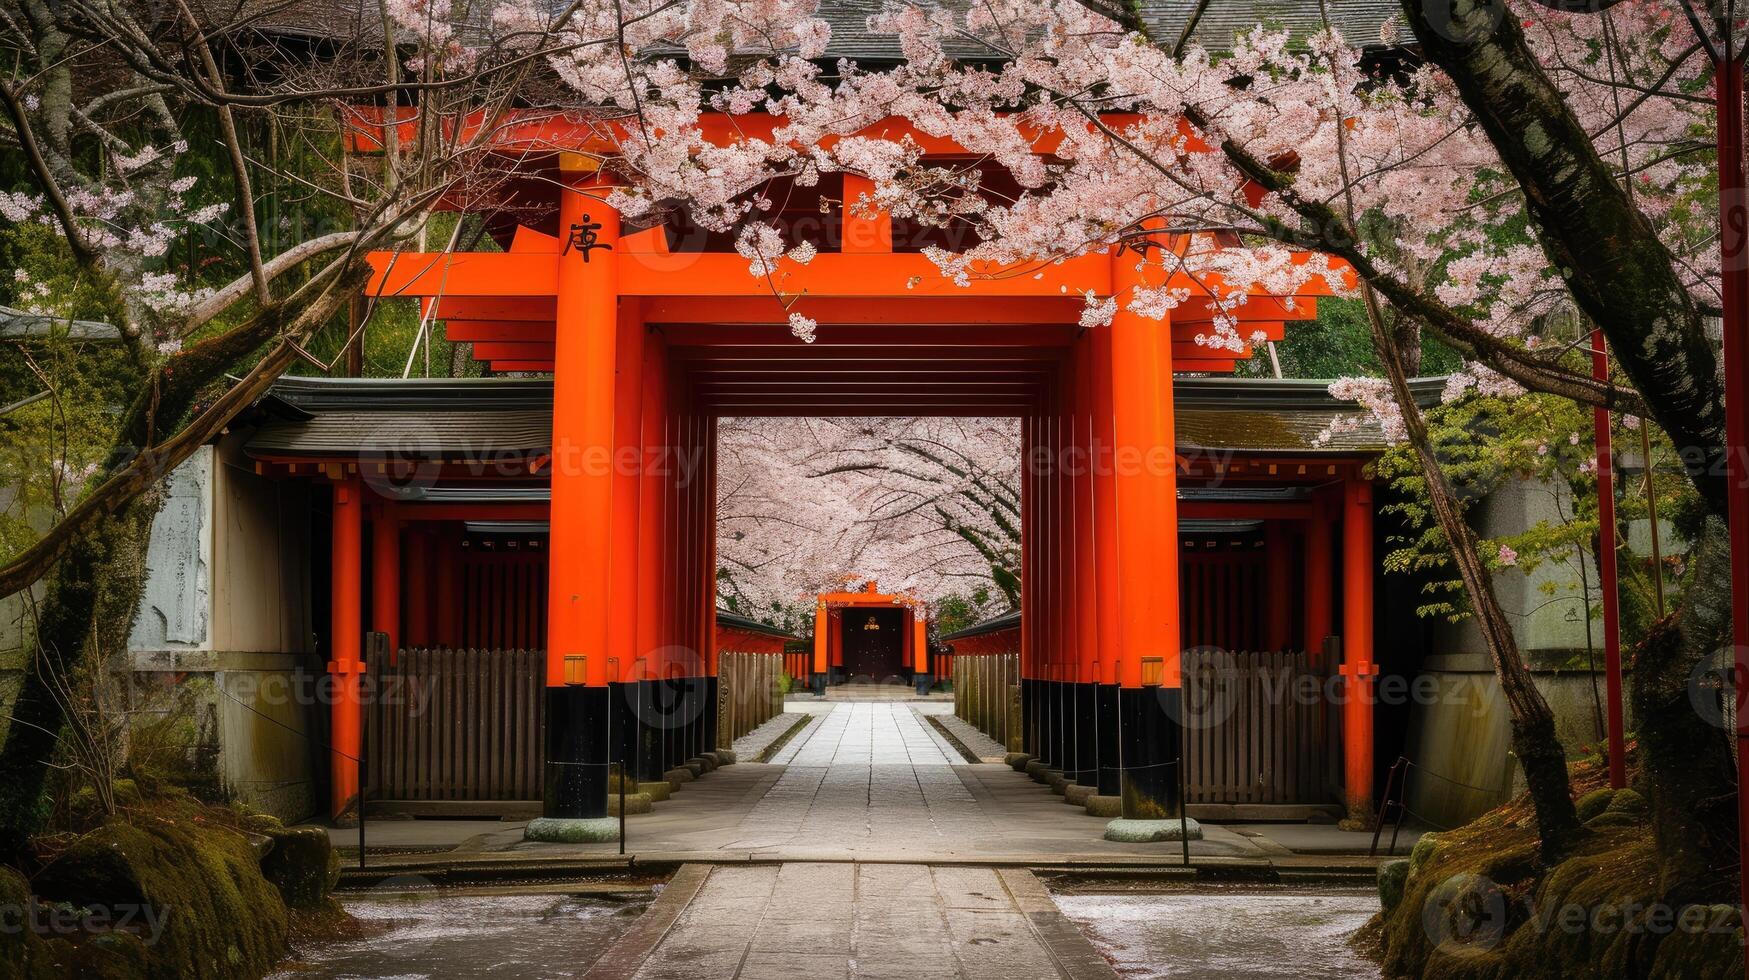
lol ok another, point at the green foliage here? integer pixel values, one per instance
(1545, 441)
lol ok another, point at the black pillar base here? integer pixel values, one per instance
(1105, 698)
(708, 686)
(1028, 718)
(578, 744)
(1148, 726)
(647, 758)
(1086, 734)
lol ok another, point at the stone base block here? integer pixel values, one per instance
(1039, 772)
(657, 792)
(1016, 761)
(1150, 831)
(1057, 782)
(1104, 806)
(695, 766)
(725, 757)
(678, 775)
(568, 830)
(635, 803)
(1077, 795)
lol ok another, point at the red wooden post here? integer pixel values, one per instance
(1317, 577)
(418, 587)
(1358, 668)
(583, 439)
(1618, 766)
(622, 559)
(1278, 587)
(1150, 699)
(345, 640)
(1734, 266)
(385, 574)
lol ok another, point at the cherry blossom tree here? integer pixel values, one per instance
(924, 506)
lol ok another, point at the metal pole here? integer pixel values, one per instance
(1618, 763)
(1384, 803)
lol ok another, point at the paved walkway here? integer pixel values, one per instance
(862, 782)
(808, 921)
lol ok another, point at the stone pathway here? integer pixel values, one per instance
(803, 921)
(869, 734)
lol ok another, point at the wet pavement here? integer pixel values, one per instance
(812, 921)
(1218, 933)
(504, 937)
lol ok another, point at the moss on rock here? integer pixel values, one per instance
(1477, 906)
(1593, 803)
(303, 865)
(216, 914)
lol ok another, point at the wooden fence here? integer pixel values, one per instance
(456, 725)
(984, 694)
(1259, 728)
(747, 693)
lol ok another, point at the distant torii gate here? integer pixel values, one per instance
(649, 347)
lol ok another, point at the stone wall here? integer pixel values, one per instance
(1459, 735)
(226, 607)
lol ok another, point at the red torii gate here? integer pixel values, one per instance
(656, 345)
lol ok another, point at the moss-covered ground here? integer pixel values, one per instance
(1475, 905)
(167, 887)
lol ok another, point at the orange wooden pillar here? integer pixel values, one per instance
(1105, 537)
(582, 518)
(1358, 668)
(1278, 584)
(1030, 614)
(1084, 612)
(385, 574)
(1317, 579)
(708, 585)
(418, 625)
(649, 762)
(822, 664)
(1150, 699)
(346, 642)
(626, 702)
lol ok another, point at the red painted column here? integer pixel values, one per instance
(652, 518)
(346, 642)
(1618, 766)
(1734, 264)
(708, 495)
(1086, 555)
(581, 540)
(583, 439)
(1358, 669)
(1278, 586)
(1317, 573)
(418, 626)
(822, 633)
(1105, 510)
(385, 574)
(449, 556)
(623, 579)
(1150, 700)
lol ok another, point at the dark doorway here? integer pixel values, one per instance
(873, 643)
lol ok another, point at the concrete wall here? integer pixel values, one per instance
(1459, 737)
(226, 604)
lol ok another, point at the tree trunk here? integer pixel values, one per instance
(1684, 745)
(86, 614)
(1539, 752)
(1620, 274)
